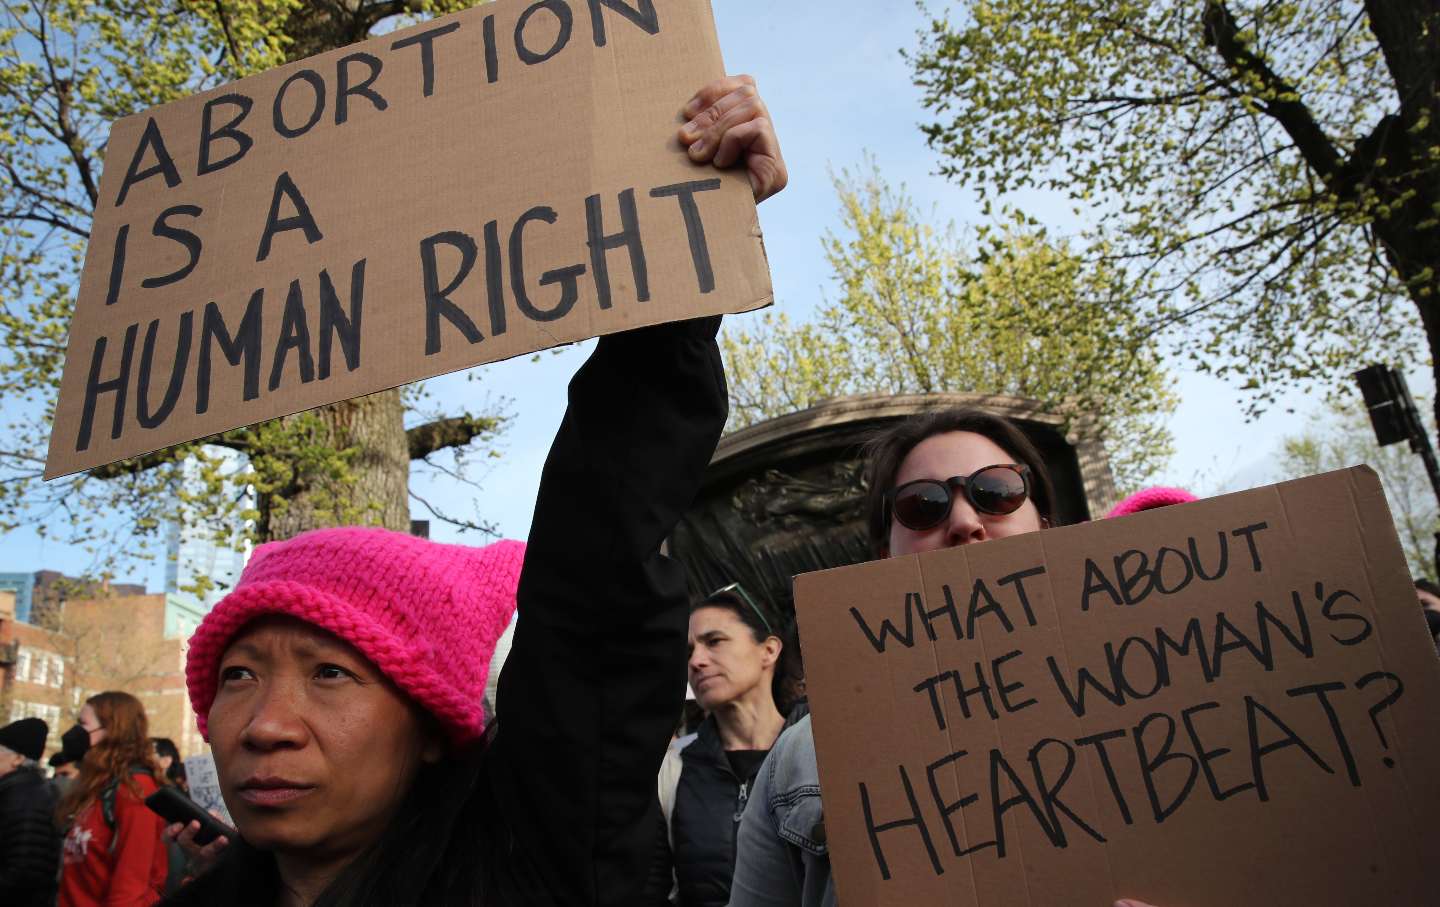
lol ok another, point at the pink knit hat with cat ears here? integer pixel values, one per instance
(425, 613)
(1149, 499)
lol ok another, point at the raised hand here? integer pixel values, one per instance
(728, 122)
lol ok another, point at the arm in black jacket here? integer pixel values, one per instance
(29, 841)
(595, 677)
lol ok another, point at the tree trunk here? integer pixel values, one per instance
(365, 481)
(1403, 163)
(373, 486)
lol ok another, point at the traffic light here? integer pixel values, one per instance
(1392, 409)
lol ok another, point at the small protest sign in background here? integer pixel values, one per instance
(204, 784)
(487, 184)
(1227, 702)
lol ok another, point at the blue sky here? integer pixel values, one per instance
(837, 87)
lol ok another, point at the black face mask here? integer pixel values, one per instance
(75, 743)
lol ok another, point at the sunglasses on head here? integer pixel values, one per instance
(739, 592)
(996, 490)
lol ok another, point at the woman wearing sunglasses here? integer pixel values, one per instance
(952, 477)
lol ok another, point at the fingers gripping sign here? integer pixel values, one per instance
(729, 122)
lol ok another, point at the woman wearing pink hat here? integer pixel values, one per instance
(340, 683)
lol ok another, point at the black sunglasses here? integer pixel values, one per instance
(925, 503)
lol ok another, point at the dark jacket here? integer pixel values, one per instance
(596, 674)
(709, 800)
(29, 840)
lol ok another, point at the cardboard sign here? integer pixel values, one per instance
(1227, 702)
(204, 784)
(483, 185)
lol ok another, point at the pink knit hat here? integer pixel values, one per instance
(1149, 499)
(426, 614)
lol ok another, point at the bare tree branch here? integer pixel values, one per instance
(1281, 100)
(456, 431)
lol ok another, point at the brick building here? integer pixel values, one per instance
(53, 589)
(36, 672)
(137, 643)
(134, 643)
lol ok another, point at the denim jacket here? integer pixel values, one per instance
(782, 859)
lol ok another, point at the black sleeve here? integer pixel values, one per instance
(29, 843)
(595, 677)
(660, 875)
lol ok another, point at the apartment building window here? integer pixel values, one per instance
(38, 673)
(17, 710)
(22, 664)
(57, 671)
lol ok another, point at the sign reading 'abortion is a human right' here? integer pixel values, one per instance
(1235, 701)
(476, 187)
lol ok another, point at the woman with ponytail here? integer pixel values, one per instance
(113, 852)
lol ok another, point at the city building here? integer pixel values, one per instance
(41, 595)
(37, 678)
(137, 644)
(134, 643)
(194, 549)
(22, 588)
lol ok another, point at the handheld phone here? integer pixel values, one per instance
(173, 806)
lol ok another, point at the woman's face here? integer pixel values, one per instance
(957, 453)
(725, 660)
(91, 722)
(314, 747)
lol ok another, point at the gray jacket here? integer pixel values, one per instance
(781, 856)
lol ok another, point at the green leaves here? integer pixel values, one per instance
(923, 309)
(1341, 436)
(67, 69)
(1203, 140)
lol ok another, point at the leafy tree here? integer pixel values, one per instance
(1341, 436)
(67, 69)
(1273, 166)
(920, 313)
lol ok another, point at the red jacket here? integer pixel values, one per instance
(120, 867)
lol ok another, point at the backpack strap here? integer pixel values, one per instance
(107, 799)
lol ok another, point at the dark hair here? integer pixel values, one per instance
(887, 449)
(164, 746)
(762, 627)
(1425, 585)
(441, 848)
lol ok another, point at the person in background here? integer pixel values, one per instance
(113, 855)
(1149, 499)
(168, 755)
(737, 671)
(938, 480)
(63, 772)
(1429, 595)
(29, 844)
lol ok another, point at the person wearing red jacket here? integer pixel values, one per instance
(113, 854)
